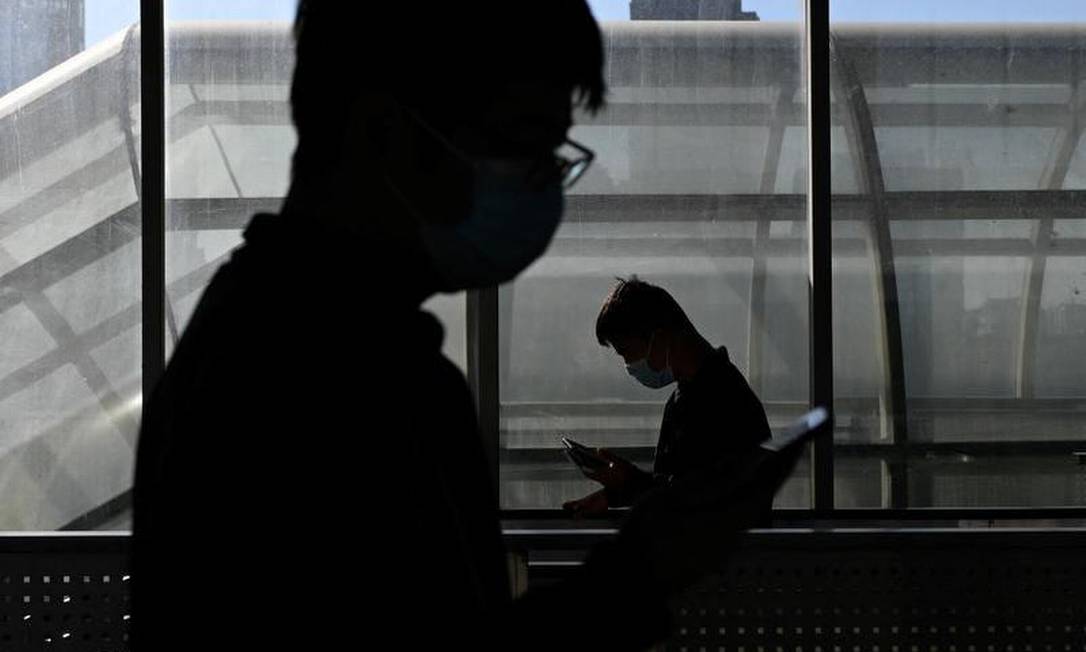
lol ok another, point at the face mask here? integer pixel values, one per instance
(510, 225)
(648, 376)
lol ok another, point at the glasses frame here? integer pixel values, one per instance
(571, 170)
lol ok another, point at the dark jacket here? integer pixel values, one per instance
(708, 420)
(309, 475)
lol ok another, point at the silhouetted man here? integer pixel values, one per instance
(712, 414)
(309, 473)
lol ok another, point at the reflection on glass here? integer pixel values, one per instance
(859, 483)
(697, 187)
(953, 479)
(960, 321)
(230, 141)
(956, 256)
(1062, 327)
(70, 390)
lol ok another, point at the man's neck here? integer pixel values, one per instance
(379, 242)
(688, 354)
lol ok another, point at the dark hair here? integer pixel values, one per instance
(443, 59)
(635, 308)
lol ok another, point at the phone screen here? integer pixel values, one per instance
(582, 455)
(806, 427)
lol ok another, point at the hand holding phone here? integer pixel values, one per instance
(584, 457)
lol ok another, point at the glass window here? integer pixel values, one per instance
(958, 241)
(963, 158)
(1062, 332)
(953, 479)
(229, 137)
(698, 186)
(70, 364)
(957, 256)
(675, 159)
(230, 145)
(960, 324)
(1076, 172)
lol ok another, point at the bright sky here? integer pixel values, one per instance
(107, 16)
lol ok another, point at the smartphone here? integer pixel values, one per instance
(800, 431)
(583, 456)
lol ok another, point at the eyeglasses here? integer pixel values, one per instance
(572, 160)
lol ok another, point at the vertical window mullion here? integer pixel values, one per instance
(817, 40)
(482, 345)
(153, 189)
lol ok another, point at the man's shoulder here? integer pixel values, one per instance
(720, 358)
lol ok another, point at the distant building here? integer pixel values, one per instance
(689, 10)
(36, 35)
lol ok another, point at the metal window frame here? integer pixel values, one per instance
(153, 189)
(820, 238)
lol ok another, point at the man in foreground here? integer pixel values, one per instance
(309, 473)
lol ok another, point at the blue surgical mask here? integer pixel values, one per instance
(510, 225)
(648, 376)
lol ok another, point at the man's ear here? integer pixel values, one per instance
(377, 128)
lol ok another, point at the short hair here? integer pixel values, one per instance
(635, 308)
(445, 60)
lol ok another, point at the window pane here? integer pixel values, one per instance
(673, 159)
(70, 390)
(956, 479)
(858, 378)
(1076, 172)
(698, 186)
(858, 483)
(230, 144)
(1062, 327)
(229, 137)
(963, 158)
(960, 324)
(956, 256)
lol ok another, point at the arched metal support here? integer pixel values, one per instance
(860, 132)
(778, 124)
(1053, 179)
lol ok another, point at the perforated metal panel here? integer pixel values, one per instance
(896, 602)
(64, 593)
(783, 591)
(877, 591)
